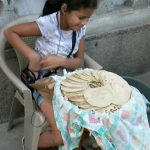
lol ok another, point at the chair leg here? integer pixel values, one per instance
(12, 113)
(32, 128)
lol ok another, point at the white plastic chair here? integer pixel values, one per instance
(34, 121)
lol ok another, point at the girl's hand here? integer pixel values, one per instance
(34, 62)
(51, 62)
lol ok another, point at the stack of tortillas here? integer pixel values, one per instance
(99, 90)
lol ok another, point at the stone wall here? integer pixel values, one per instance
(11, 9)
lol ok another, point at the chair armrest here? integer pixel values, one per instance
(91, 63)
(11, 76)
(25, 93)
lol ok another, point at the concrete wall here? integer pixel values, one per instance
(11, 9)
(124, 52)
(118, 37)
(120, 41)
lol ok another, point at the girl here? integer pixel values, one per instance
(51, 50)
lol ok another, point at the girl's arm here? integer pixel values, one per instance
(14, 36)
(51, 62)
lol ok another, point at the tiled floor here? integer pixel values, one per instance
(11, 140)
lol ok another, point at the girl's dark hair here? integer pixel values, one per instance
(77, 4)
(52, 6)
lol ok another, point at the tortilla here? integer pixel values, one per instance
(100, 96)
(68, 89)
(71, 85)
(121, 94)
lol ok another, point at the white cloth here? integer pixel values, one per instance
(54, 40)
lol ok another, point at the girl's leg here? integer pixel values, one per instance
(50, 138)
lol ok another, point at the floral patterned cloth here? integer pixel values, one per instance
(125, 129)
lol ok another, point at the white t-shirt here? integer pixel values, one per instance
(54, 40)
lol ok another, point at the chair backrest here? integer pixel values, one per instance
(140, 85)
(29, 40)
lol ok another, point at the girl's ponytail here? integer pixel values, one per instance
(51, 6)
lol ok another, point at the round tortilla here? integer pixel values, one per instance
(68, 89)
(121, 94)
(71, 85)
(100, 96)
